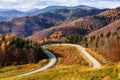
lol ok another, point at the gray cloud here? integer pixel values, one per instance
(29, 4)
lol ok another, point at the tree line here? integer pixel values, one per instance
(16, 51)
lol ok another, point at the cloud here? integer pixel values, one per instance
(102, 3)
(30, 4)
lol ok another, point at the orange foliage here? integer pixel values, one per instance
(8, 43)
(3, 46)
(56, 34)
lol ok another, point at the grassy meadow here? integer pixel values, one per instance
(13, 70)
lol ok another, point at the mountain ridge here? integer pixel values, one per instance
(35, 11)
(28, 25)
(82, 26)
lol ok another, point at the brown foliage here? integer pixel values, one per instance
(16, 51)
(81, 26)
(108, 47)
(68, 55)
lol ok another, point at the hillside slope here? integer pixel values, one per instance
(26, 26)
(82, 26)
(75, 27)
(113, 28)
(6, 14)
(106, 41)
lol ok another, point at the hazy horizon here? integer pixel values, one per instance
(24, 5)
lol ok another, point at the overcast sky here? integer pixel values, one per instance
(30, 4)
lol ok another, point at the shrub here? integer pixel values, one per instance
(108, 34)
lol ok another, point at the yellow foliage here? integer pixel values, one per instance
(7, 36)
(72, 24)
(0, 39)
(45, 39)
(107, 78)
(8, 42)
(3, 46)
(56, 34)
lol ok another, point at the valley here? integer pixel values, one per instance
(60, 43)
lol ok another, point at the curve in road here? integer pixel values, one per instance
(51, 63)
(53, 60)
(95, 63)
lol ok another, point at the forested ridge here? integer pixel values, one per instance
(105, 42)
(16, 51)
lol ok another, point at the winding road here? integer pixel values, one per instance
(53, 59)
(95, 63)
(51, 63)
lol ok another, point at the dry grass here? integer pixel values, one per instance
(68, 55)
(73, 71)
(97, 56)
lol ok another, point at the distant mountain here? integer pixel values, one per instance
(26, 26)
(38, 11)
(6, 14)
(118, 8)
(82, 7)
(82, 26)
(32, 11)
(8, 10)
(52, 8)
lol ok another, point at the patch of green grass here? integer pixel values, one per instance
(75, 72)
(9, 71)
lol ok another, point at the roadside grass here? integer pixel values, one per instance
(75, 72)
(67, 70)
(69, 58)
(68, 55)
(13, 70)
(90, 64)
(96, 55)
